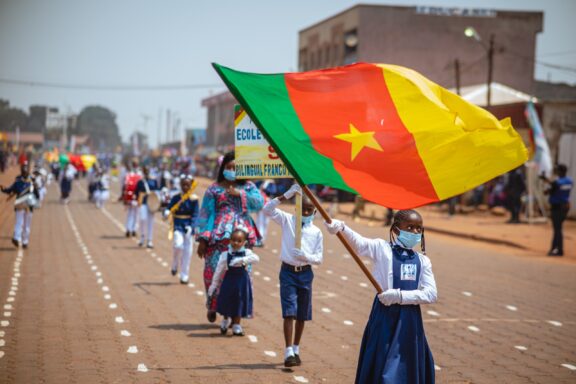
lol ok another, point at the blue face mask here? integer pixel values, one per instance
(409, 239)
(307, 219)
(229, 174)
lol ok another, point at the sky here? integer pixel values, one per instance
(111, 43)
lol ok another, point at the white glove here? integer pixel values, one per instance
(294, 189)
(237, 262)
(134, 203)
(334, 227)
(211, 290)
(390, 296)
(299, 255)
(165, 214)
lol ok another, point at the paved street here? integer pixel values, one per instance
(83, 304)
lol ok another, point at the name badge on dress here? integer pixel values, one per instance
(408, 271)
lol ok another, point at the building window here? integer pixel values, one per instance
(351, 47)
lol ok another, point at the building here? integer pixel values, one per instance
(220, 124)
(428, 40)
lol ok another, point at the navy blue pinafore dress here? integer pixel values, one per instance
(394, 349)
(235, 297)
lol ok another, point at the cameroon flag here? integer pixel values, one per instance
(382, 131)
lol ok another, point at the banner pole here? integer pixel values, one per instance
(348, 247)
(298, 229)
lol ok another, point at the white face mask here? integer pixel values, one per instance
(308, 219)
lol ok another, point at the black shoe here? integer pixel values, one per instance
(25, 246)
(16, 243)
(290, 362)
(133, 233)
(211, 316)
(128, 233)
(223, 330)
(141, 243)
(555, 252)
(183, 281)
(298, 361)
(173, 272)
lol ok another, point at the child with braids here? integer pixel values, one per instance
(394, 347)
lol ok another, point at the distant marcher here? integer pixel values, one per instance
(226, 204)
(394, 347)
(144, 190)
(515, 187)
(26, 196)
(66, 178)
(559, 199)
(101, 188)
(235, 299)
(185, 206)
(296, 275)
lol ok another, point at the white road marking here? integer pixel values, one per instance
(200, 293)
(7, 314)
(329, 271)
(348, 322)
(125, 333)
(473, 328)
(330, 251)
(1, 354)
(4, 323)
(2, 333)
(433, 313)
(164, 264)
(326, 310)
(132, 349)
(8, 306)
(266, 278)
(345, 347)
(466, 293)
(191, 285)
(555, 323)
(520, 347)
(256, 273)
(100, 281)
(274, 251)
(570, 367)
(10, 299)
(344, 278)
(270, 353)
(252, 338)
(94, 267)
(105, 288)
(301, 379)
(142, 368)
(511, 308)
(98, 274)
(113, 306)
(363, 285)
(12, 293)
(107, 297)
(119, 319)
(346, 256)
(2, 342)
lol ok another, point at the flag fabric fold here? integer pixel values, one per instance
(382, 131)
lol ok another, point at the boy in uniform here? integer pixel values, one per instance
(296, 273)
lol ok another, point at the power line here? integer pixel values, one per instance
(560, 53)
(94, 87)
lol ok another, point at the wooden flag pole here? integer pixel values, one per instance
(298, 229)
(348, 247)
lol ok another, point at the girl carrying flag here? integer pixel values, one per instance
(394, 347)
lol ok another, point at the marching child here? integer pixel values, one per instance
(145, 187)
(235, 296)
(296, 274)
(25, 201)
(394, 347)
(184, 208)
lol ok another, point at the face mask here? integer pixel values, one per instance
(307, 219)
(409, 239)
(229, 175)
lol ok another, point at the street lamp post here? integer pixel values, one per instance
(472, 33)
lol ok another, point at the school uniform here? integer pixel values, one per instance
(394, 347)
(101, 190)
(296, 274)
(559, 200)
(145, 187)
(235, 295)
(184, 222)
(23, 222)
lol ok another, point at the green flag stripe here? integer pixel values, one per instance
(281, 126)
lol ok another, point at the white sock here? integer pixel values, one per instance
(288, 352)
(236, 328)
(224, 323)
(296, 349)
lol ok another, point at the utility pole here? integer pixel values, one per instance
(490, 70)
(168, 112)
(457, 75)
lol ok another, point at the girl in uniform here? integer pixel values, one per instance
(394, 347)
(235, 296)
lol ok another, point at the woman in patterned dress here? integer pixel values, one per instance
(226, 205)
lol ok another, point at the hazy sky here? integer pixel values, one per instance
(173, 42)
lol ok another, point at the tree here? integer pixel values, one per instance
(10, 117)
(100, 124)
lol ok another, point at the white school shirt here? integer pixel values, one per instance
(380, 251)
(311, 236)
(222, 266)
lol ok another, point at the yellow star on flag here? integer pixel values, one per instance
(359, 140)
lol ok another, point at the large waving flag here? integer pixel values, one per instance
(382, 131)
(540, 149)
